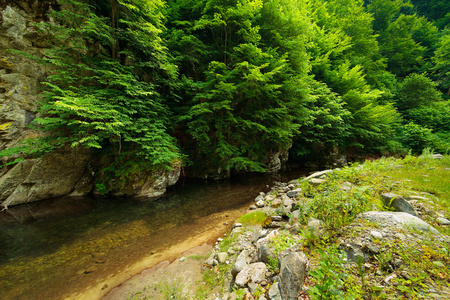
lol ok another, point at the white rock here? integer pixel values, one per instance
(376, 234)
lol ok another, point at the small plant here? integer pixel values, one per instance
(281, 242)
(173, 291)
(328, 276)
(240, 294)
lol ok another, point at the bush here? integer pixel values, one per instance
(417, 138)
(417, 90)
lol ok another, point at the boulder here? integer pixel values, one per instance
(222, 257)
(316, 181)
(292, 273)
(53, 175)
(257, 234)
(294, 193)
(157, 187)
(398, 203)
(259, 198)
(261, 203)
(265, 255)
(355, 253)
(276, 160)
(11, 180)
(398, 220)
(274, 292)
(443, 221)
(255, 273)
(318, 174)
(241, 261)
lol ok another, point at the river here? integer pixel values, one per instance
(80, 248)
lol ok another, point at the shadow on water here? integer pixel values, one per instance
(59, 246)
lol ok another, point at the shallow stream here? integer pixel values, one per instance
(80, 248)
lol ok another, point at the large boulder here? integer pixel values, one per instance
(241, 262)
(155, 188)
(398, 220)
(264, 254)
(53, 175)
(147, 184)
(398, 203)
(292, 273)
(255, 273)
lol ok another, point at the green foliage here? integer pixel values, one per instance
(232, 83)
(435, 115)
(417, 90)
(417, 138)
(277, 244)
(441, 60)
(105, 97)
(328, 276)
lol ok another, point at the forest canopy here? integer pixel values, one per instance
(230, 84)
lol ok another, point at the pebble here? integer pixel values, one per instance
(391, 277)
(236, 225)
(376, 234)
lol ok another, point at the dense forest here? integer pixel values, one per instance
(226, 84)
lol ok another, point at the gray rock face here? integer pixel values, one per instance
(254, 272)
(292, 273)
(355, 253)
(15, 24)
(398, 203)
(165, 179)
(56, 174)
(12, 179)
(275, 161)
(53, 175)
(398, 220)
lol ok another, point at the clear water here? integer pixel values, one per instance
(56, 248)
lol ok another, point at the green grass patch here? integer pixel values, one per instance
(253, 218)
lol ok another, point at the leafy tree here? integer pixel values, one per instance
(441, 60)
(323, 130)
(437, 10)
(417, 90)
(107, 83)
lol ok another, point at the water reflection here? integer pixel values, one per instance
(56, 247)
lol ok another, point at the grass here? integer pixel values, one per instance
(253, 218)
(425, 260)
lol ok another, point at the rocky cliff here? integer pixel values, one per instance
(69, 171)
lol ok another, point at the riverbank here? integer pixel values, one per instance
(339, 233)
